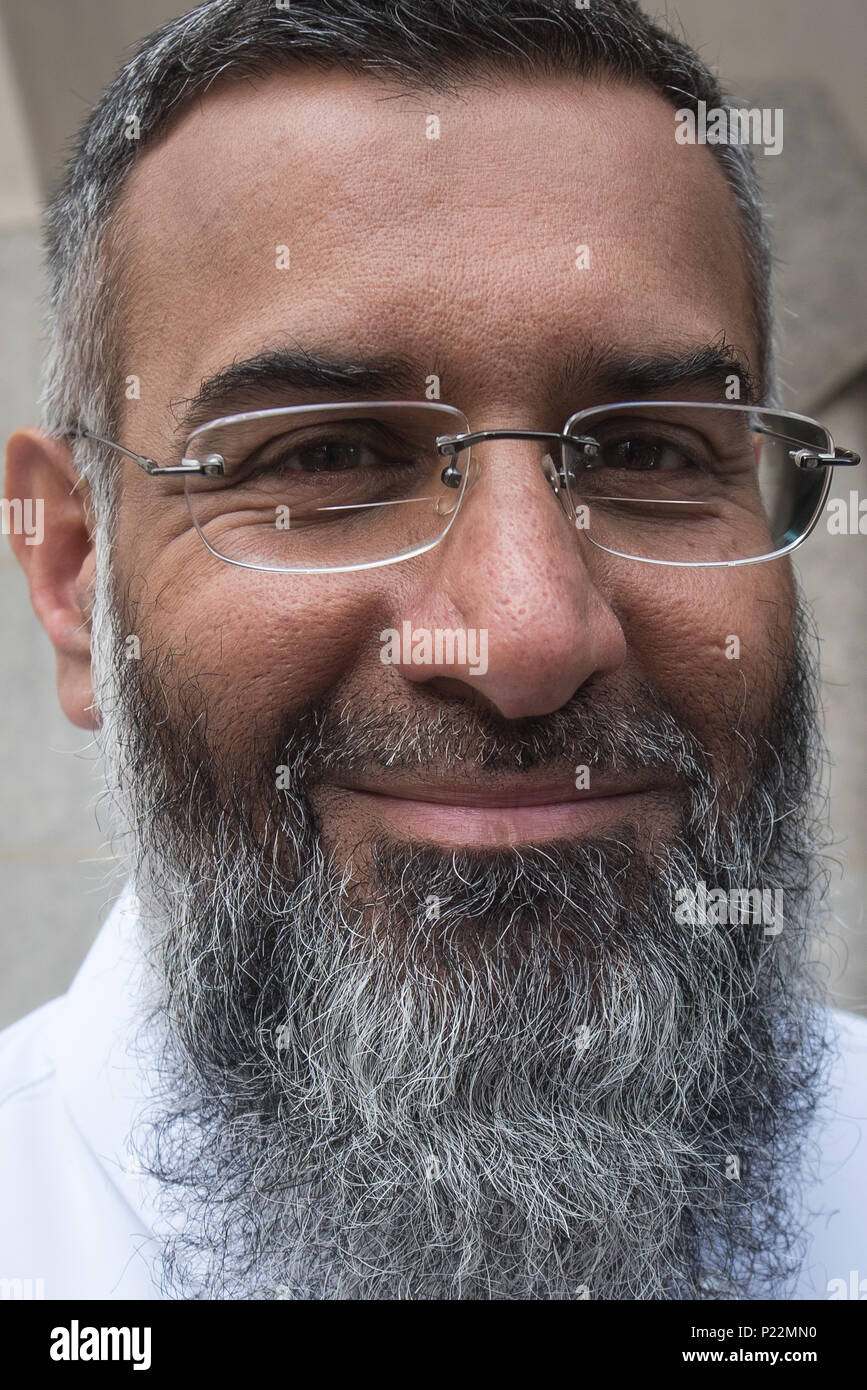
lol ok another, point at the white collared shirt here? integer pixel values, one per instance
(78, 1221)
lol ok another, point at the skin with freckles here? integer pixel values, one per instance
(460, 254)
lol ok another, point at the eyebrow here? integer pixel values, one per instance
(632, 376)
(272, 375)
(268, 378)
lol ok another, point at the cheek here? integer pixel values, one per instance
(716, 643)
(261, 647)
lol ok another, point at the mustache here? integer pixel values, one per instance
(609, 728)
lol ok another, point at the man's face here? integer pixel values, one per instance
(435, 1013)
(459, 255)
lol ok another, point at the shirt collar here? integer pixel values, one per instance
(104, 1080)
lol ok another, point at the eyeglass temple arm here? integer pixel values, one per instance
(812, 458)
(809, 458)
(212, 465)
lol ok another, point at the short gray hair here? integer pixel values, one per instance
(425, 44)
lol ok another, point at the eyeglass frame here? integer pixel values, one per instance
(453, 445)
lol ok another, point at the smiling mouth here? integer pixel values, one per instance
(520, 810)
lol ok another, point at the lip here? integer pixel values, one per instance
(512, 793)
(506, 812)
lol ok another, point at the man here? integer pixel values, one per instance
(466, 783)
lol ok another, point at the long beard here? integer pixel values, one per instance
(501, 1074)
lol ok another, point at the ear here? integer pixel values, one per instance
(48, 524)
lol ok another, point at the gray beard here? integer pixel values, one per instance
(501, 1074)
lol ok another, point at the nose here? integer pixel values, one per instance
(512, 576)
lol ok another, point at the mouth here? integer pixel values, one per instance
(509, 812)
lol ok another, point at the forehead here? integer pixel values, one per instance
(315, 208)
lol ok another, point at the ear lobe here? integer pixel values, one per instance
(51, 537)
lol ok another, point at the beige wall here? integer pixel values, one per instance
(751, 41)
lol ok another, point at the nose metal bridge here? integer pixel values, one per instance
(454, 443)
(557, 477)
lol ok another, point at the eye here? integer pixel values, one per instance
(643, 455)
(314, 453)
(329, 456)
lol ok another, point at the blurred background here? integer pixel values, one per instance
(57, 878)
